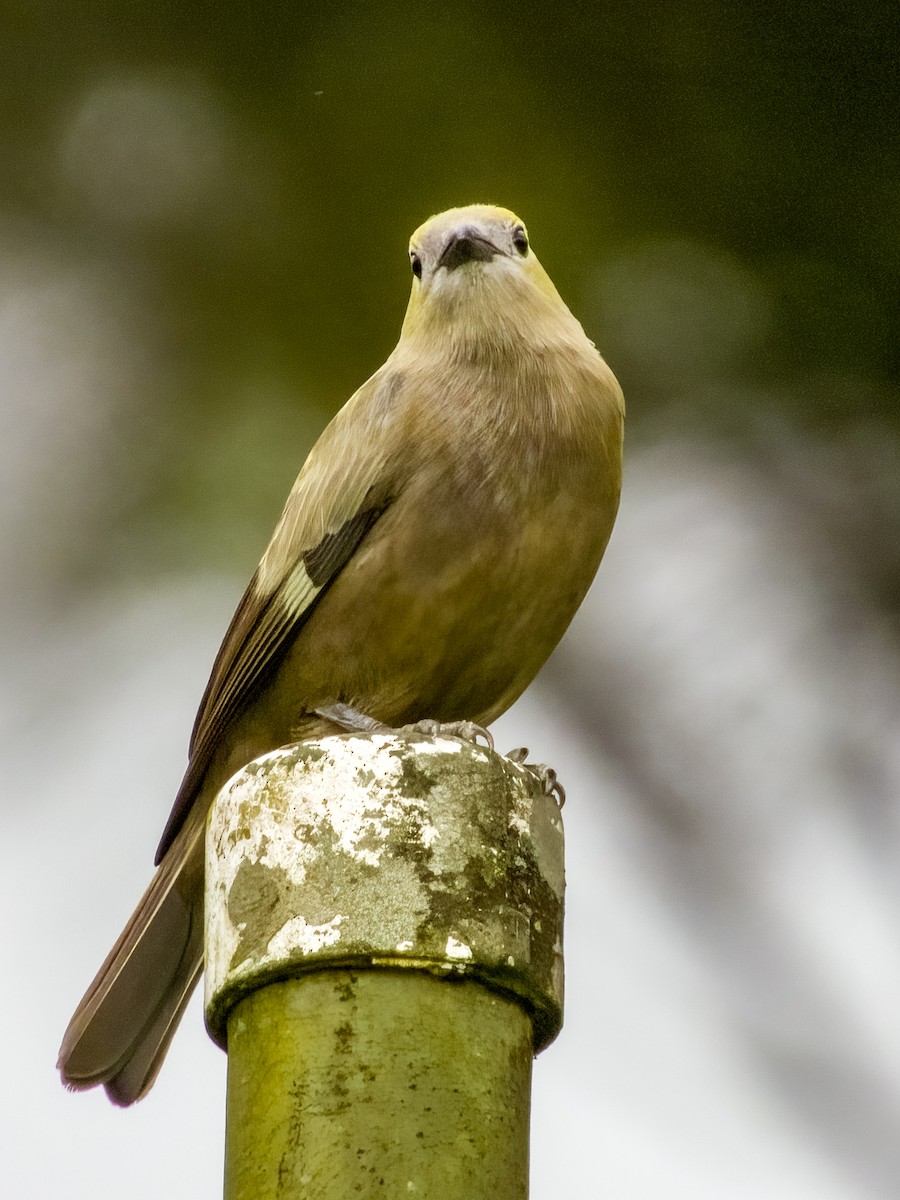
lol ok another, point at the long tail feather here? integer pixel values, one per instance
(121, 1030)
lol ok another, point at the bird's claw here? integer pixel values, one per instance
(354, 721)
(467, 730)
(545, 775)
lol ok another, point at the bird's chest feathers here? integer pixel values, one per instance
(502, 443)
(501, 483)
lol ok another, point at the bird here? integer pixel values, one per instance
(434, 548)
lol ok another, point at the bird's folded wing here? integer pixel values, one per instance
(329, 512)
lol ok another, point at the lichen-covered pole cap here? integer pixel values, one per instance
(386, 851)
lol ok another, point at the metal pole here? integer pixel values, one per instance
(384, 921)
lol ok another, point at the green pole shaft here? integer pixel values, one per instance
(383, 958)
(377, 1083)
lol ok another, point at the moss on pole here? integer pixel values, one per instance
(384, 921)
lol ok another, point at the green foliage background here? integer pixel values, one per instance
(314, 137)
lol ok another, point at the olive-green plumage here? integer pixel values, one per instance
(433, 550)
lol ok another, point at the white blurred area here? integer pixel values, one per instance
(739, 975)
(721, 715)
(74, 379)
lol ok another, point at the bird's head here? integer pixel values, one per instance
(476, 277)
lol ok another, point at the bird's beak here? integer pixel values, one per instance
(466, 245)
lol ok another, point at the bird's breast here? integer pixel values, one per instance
(467, 581)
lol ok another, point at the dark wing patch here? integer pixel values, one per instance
(325, 560)
(258, 637)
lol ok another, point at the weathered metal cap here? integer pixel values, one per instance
(386, 851)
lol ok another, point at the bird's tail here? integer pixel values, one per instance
(121, 1030)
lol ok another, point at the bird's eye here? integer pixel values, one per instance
(416, 264)
(520, 240)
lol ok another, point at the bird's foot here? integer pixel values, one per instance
(467, 730)
(545, 775)
(354, 721)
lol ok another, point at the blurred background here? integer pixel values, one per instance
(204, 212)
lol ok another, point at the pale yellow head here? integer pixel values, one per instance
(475, 276)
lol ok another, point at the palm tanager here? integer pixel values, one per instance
(434, 548)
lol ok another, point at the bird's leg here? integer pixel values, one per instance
(351, 719)
(545, 775)
(354, 721)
